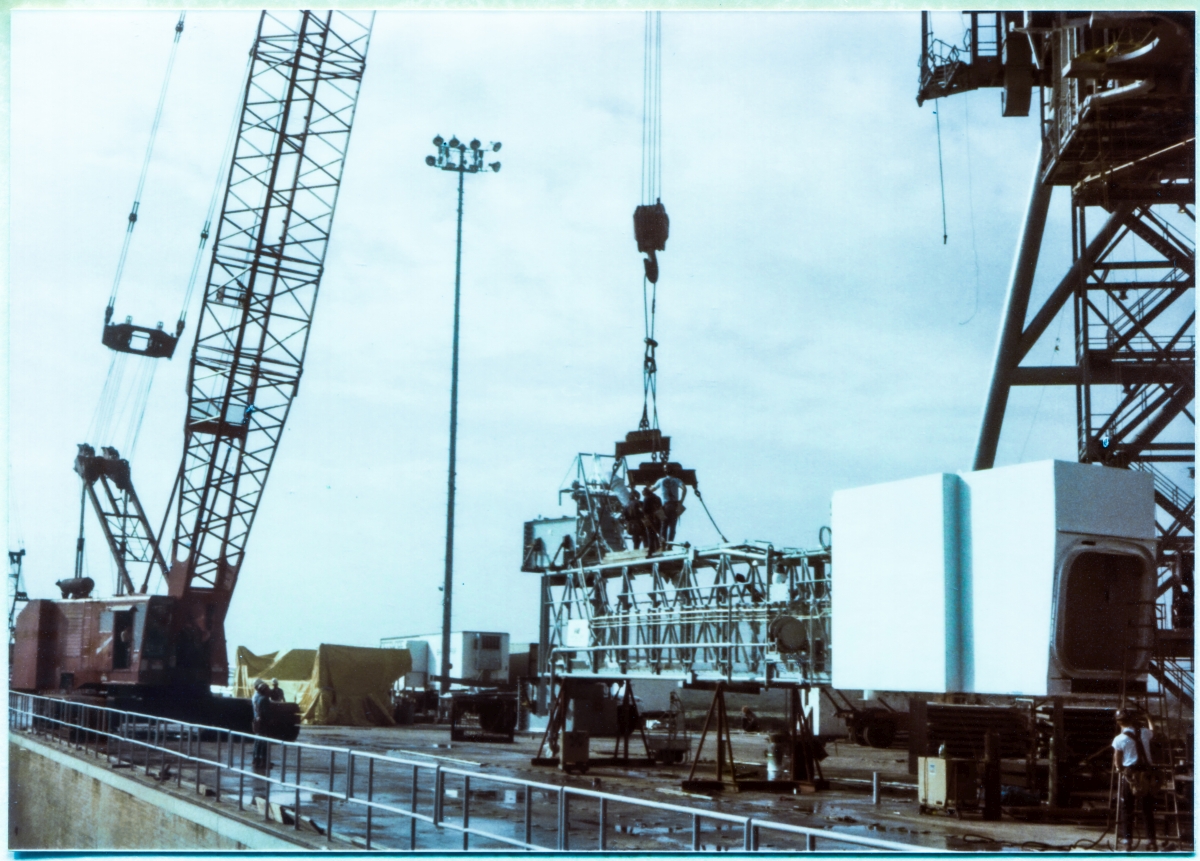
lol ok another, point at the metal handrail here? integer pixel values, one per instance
(94, 727)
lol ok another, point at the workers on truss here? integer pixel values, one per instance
(649, 518)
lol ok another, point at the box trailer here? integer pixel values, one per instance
(477, 658)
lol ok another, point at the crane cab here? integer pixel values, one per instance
(95, 645)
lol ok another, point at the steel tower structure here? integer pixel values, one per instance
(1117, 109)
(262, 287)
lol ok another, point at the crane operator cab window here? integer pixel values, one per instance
(122, 639)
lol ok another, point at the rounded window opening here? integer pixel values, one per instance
(1108, 613)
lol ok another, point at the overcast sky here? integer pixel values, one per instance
(815, 332)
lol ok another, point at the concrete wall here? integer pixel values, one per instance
(60, 801)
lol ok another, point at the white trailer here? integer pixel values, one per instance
(477, 658)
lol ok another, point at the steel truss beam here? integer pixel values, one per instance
(1127, 152)
(738, 613)
(129, 534)
(262, 284)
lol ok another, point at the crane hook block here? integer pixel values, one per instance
(139, 340)
(650, 227)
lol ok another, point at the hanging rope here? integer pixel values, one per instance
(941, 174)
(696, 490)
(137, 197)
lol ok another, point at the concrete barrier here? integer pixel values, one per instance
(60, 801)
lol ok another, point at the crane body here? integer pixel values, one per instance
(165, 651)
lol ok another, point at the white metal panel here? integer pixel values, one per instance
(1099, 500)
(1009, 552)
(889, 586)
(419, 650)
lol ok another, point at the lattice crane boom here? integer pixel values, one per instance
(268, 258)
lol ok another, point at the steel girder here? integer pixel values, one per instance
(262, 285)
(130, 537)
(739, 613)
(1118, 129)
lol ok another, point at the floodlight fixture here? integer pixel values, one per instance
(495, 166)
(438, 141)
(475, 144)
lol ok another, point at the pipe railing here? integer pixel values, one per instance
(351, 792)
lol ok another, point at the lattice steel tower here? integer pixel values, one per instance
(1116, 100)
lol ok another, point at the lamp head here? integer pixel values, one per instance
(430, 160)
(438, 141)
(495, 166)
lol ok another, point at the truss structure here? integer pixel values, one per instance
(129, 534)
(262, 285)
(734, 612)
(1117, 104)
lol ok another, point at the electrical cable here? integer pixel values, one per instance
(137, 197)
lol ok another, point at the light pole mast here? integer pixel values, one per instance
(463, 159)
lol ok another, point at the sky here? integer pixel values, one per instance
(816, 333)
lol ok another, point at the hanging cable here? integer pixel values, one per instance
(696, 490)
(651, 226)
(218, 187)
(137, 197)
(941, 174)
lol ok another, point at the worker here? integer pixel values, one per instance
(276, 692)
(652, 516)
(262, 695)
(632, 518)
(1131, 758)
(749, 720)
(674, 491)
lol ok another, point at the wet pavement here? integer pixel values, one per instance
(844, 808)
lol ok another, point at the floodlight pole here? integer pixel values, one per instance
(454, 155)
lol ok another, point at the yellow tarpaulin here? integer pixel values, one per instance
(334, 685)
(350, 686)
(293, 669)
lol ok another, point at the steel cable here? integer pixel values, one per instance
(218, 185)
(137, 197)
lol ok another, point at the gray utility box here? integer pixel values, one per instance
(573, 751)
(950, 785)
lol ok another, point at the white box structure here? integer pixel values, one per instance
(475, 657)
(1029, 580)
